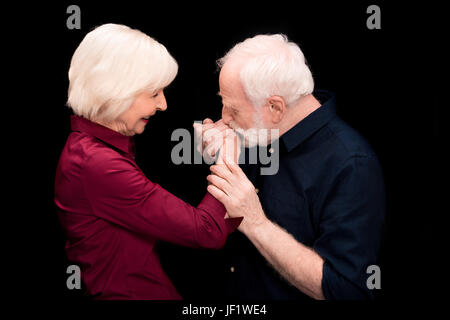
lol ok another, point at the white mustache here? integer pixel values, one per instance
(252, 136)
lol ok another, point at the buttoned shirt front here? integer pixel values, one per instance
(329, 195)
(112, 216)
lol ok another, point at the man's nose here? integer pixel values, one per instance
(226, 115)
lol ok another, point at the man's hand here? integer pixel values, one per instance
(211, 138)
(230, 186)
(300, 265)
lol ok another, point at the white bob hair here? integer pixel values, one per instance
(270, 65)
(112, 65)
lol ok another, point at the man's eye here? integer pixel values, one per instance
(155, 95)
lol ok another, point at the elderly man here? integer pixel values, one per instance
(317, 220)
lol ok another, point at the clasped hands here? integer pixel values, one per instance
(228, 183)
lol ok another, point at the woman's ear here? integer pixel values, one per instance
(277, 108)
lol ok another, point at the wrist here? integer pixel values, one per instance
(252, 228)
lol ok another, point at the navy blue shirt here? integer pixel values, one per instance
(329, 195)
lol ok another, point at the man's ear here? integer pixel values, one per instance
(277, 108)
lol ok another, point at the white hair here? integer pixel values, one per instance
(111, 66)
(271, 65)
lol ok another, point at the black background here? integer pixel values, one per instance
(384, 81)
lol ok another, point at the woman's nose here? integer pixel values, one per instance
(162, 105)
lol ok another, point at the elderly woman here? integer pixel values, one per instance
(111, 214)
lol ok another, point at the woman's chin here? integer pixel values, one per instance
(139, 131)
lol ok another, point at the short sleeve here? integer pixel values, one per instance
(350, 228)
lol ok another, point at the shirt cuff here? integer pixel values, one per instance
(212, 205)
(233, 223)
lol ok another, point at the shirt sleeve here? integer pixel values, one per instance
(350, 229)
(119, 192)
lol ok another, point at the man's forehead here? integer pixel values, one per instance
(225, 90)
(229, 83)
(226, 99)
(227, 95)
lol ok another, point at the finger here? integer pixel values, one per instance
(216, 146)
(207, 134)
(211, 129)
(223, 172)
(231, 148)
(207, 126)
(213, 136)
(218, 138)
(222, 127)
(213, 148)
(207, 120)
(198, 137)
(220, 183)
(217, 193)
(197, 128)
(232, 166)
(221, 124)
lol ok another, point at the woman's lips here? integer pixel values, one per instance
(146, 118)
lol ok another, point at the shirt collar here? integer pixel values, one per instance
(111, 137)
(313, 122)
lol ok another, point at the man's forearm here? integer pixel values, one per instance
(300, 265)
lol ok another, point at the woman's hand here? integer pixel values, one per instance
(211, 138)
(231, 147)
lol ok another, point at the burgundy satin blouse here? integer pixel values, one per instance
(112, 215)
